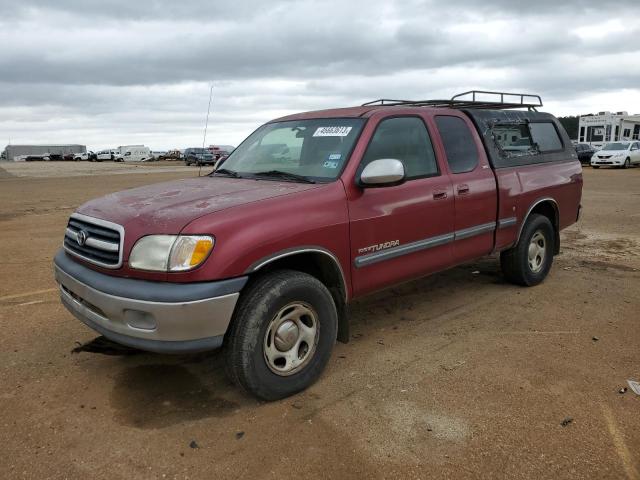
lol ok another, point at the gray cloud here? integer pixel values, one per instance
(107, 72)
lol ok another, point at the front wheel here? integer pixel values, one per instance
(595, 166)
(529, 262)
(627, 163)
(282, 334)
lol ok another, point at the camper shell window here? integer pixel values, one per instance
(514, 138)
(527, 138)
(545, 136)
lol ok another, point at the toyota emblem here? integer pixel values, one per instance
(81, 237)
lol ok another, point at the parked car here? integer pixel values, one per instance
(618, 154)
(263, 255)
(585, 152)
(37, 158)
(198, 156)
(171, 155)
(84, 156)
(105, 155)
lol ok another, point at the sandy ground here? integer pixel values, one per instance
(458, 375)
(81, 169)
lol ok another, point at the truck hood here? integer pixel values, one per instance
(168, 207)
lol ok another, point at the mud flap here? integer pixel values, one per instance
(343, 323)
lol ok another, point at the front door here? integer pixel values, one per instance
(404, 231)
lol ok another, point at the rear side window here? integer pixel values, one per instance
(405, 139)
(545, 135)
(459, 145)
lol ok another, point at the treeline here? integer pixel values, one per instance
(570, 124)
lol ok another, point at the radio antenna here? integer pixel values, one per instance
(206, 124)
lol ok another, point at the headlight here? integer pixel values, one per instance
(170, 253)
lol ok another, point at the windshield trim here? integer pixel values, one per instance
(314, 178)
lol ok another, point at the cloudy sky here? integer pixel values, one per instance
(115, 72)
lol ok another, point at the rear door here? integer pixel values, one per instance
(474, 186)
(404, 231)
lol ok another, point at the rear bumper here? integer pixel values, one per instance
(155, 316)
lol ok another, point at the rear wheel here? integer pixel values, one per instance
(282, 334)
(529, 262)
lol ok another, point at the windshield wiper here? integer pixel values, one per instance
(228, 173)
(285, 176)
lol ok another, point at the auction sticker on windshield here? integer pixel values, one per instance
(332, 131)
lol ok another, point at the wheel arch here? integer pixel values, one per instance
(319, 263)
(549, 208)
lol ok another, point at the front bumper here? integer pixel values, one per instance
(155, 316)
(608, 161)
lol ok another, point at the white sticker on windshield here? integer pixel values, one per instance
(329, 164)
(332, 131)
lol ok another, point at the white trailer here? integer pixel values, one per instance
(596, 130)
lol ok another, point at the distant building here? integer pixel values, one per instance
(606, 127)
(13, 151)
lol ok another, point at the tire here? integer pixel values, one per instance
(517, 266)
(267, 306)
(595, 166)
(627, 163)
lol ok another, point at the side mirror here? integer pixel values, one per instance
(385, 172)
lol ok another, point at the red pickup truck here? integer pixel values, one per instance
(263, 255)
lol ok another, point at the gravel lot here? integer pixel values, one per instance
(82, 169)
(458, 375)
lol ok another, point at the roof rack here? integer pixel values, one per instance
(518, 100)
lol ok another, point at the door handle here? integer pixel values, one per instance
(463, 189)
(439, 194)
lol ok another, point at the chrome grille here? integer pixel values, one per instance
(94, 240)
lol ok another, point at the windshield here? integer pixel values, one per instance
(317, 149)
(616, 146)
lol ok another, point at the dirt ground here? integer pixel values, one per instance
(458, 375)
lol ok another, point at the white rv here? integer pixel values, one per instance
(133, 153)
(605, 127)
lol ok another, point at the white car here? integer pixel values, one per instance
(83, 156)
(105, 155)
(618, 154)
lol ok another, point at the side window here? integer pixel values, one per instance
(405, 139)
(546, 136)
(459, 145)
